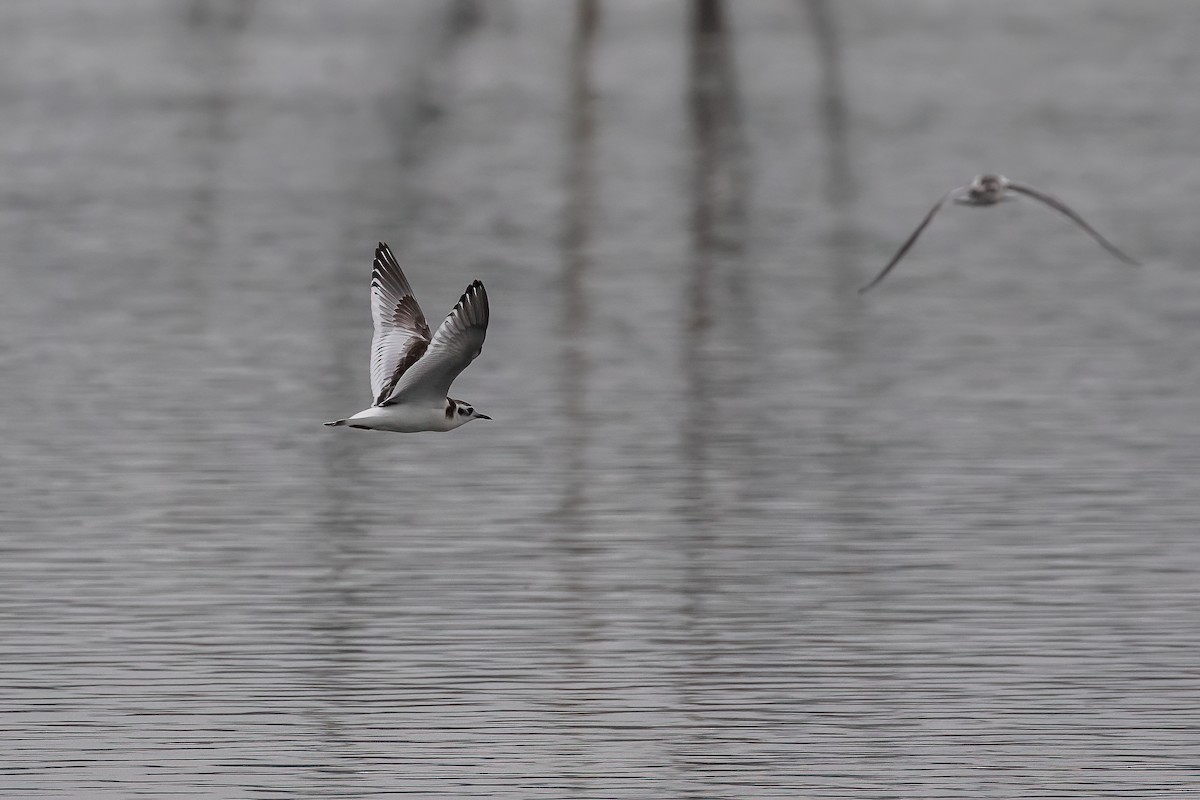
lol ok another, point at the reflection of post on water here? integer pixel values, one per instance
(576, 259)
(706, 41)
(717, 288)
(571, 520)
(716, 319)
(839, 181)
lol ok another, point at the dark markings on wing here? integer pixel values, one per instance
(912, 238)
(412, 354)
(1062, 208)
(402, 335)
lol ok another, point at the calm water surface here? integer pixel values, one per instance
(735, 531)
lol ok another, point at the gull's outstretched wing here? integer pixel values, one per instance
(1062, 208)
(912, 238)
(455, 344)
(401, 332)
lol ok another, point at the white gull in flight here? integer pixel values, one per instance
(411, 371)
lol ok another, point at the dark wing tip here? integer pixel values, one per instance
(384, 260)
(478, 310)
(1062, 208)
(867, 287)
(383, 254)
(476, 288)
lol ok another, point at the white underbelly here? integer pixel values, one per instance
(402, 419)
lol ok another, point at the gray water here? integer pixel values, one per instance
(735, 531)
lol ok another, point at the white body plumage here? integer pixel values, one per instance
(405, 418)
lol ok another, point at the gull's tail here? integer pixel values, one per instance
(336, 423)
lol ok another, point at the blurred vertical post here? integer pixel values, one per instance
(577, 221)
(718, 194)
(839, 184)
(706, 43)
(840, 188)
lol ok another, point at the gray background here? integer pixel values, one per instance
(735, 531)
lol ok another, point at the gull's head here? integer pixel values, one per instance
(460, 413)
(985, 190)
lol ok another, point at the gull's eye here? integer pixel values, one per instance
(470, 411)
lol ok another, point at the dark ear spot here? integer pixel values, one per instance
(449, 410)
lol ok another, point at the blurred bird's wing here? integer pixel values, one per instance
(1062, 208)
(456, 343)
(912, 238)
(401, 333)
